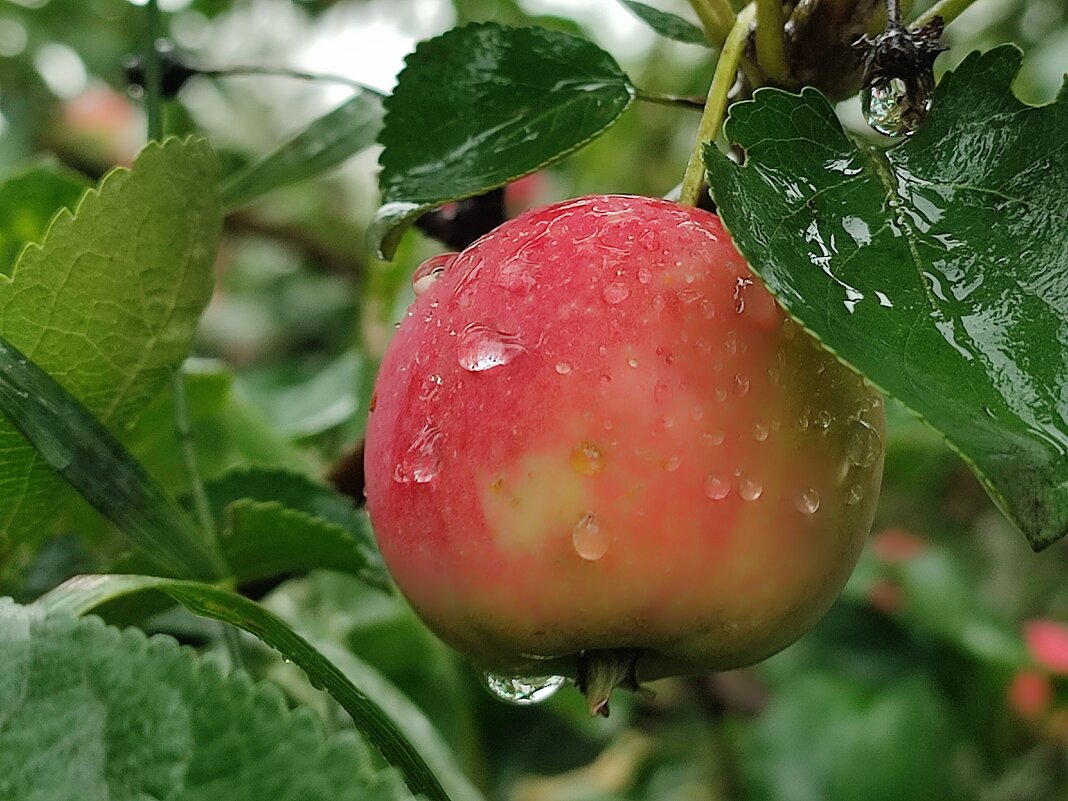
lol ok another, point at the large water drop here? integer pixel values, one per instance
(427, 273)
(482, 347)
(420, 463)
(589, 539)
(522, 690)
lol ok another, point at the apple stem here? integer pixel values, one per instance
(716, 105)
(600, 672)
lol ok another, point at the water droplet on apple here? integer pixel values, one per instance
(856, 495)
(760, 431)
(632, 362)
(672, 463)
(427, 273)
(808, 502)
(714, 438)
(615, 293)
(420, 462)
(717, 488)
(521, 690)
(749, 489)
(589, 540)
(862, 443)
(644, 276)
(741, 385)
(563, 368)
(587, 459)
(482, 347)
(658, 303)
(688, 296)
(823, 420)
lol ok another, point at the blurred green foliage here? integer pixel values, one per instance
(903, 691)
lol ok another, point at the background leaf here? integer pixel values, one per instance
(482, 105)
(324, 144)
(275, 521)
(84, 593)
(94, 714)
(938, 268)
(670, 25)
(95, 463)
(108, 304)
(28, 199)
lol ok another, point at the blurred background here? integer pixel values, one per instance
(940, 674)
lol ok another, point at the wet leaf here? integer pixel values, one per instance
(482, 105)
(938, 268)
(670, 25)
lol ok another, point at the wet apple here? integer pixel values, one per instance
(600, 450)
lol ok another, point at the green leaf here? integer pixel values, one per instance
(482, 105)
(938, 268)
(91, 713)
(82, 594)
(276, 521)
(28, 200)
(95, 463)
(324, 144)
(833, 738)
(227, 432)
(669, 25)
(108, 304)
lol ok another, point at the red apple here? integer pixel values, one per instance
(598, 445)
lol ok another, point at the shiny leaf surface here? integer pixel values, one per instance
(482, 105)
(938, 268)
(670, 25)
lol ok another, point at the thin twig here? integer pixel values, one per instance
(948, 10)
(286, 72)
(716, 106)
(692, 103)
(717, 18)
(770, 42)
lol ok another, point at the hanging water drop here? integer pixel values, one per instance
(749, 489)
(521, 690)
(890, 110)
(862, 443)
(717, 488)
(420, 463)
(589, 540)
(808, 502)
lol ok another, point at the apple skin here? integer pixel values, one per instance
(597, 430)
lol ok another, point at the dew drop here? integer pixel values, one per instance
(431, 387)
(688, 296)
(428, 273)
(862, 443)
(420, 462)
(563, 368)
(856, 495)
(589, 540)
(520, 690)
(587, 459)
(672, 463)
(708, 309)
(482, 347)
(615, 293)
(649, 240)
(697, 412)
(632, 362)
(741, 385)
(714, 438)
(606, 379)
(891, 109)
(808, 502)
(760, 431)
(717, 488)
(658, 303)
(730, 343)
(667, 422)
(802, 422)
(749, 489)
(644, 276)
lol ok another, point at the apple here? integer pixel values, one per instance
(600, 450)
